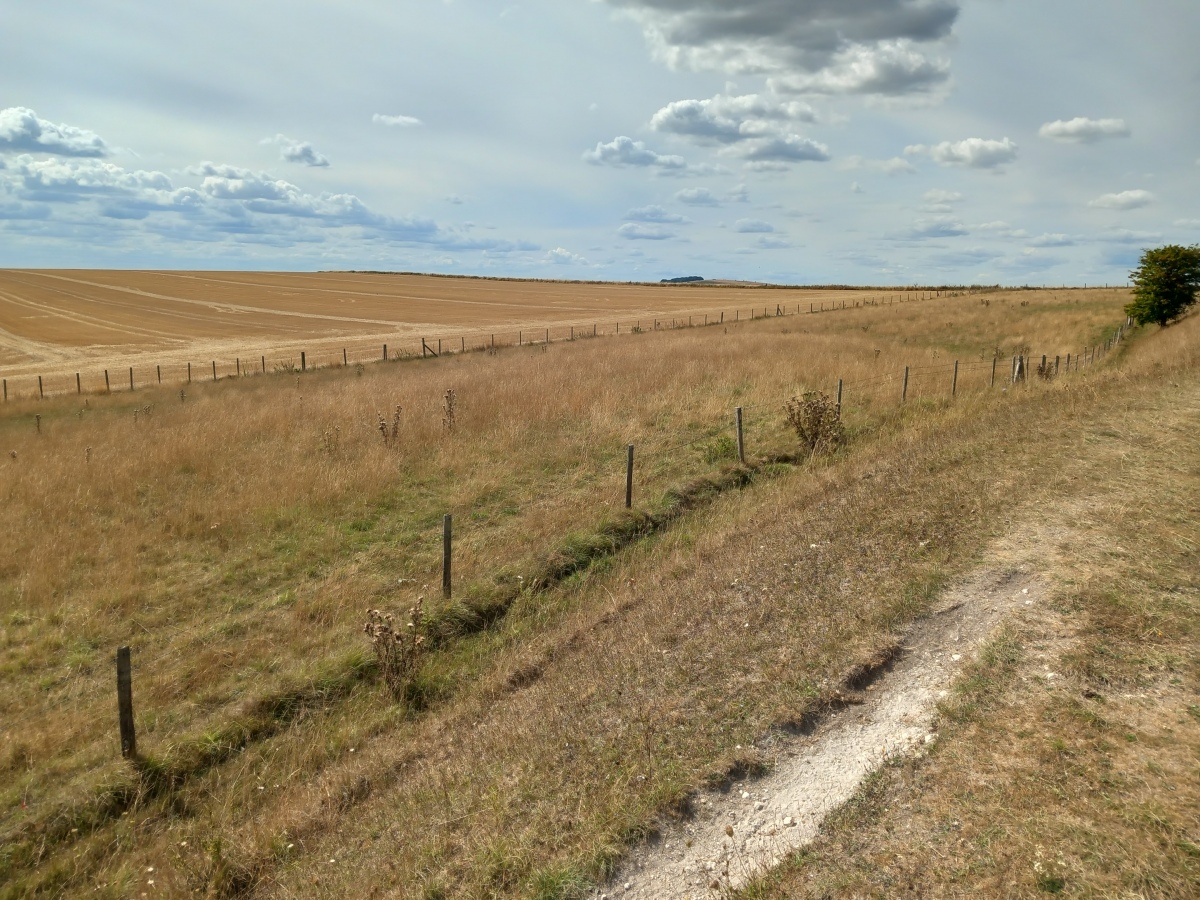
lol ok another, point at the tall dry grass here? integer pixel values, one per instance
(235, 536)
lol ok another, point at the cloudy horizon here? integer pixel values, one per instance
(815, 141)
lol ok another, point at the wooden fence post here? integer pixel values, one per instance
(189, 373)
(447, 544)
(629, 477)
(385, 352)
(954, 384)
(237, 365)
(214, 362)
(264, 365)
(41, 393)
(5, 390)
(303, 364)
(345, 360)
(107, 386)
(839, 400)
(131, 378)
(159, 370)
(741, 441)
(904, 392)
(994, 358)
(78, 384)
(125, 704)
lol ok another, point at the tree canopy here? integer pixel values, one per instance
(1164, 284)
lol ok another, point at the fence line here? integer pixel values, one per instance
(424, 348)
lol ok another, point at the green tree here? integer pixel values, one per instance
(1164, 284)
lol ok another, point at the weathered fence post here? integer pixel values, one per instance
(385, 352)
(345, 359)
(189, 373)
(264, 365)
(839, 400)
(159, 370)
(994, 358)
(5, 390)
(629, 477)
(1056, 362)
(303, 362)
(41, 393)
(447, 545)
(214, 362)
(741, 441)
(107, 386)
(131, 378)
(954, 383)
(125, 704)
(904, 392)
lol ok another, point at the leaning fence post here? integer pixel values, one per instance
(741, 441)
(264, 364)
(41, 393)
(447, 543)
(954, 383)
(994, 358)
(904, 391)
(159, 370)
(125, 704)
(629, 477)
(345, 361)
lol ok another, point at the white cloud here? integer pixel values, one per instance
(773, 243)
(23, 131)
(753, 226)
(866, 46)
(739, 194)
(635, 232)
(894, 166)
(789, 148)
(697, 197)
(624, 152)
(301, 152)
(1052, 240)
(1123, 200)
(856, 188)
(891, 68)
(1187, 223)
(975, 153)
(655, 214)
(396, 121)
(726, 120)
(937, 227)
(1082, 130)
(941, 198)
(560, 257)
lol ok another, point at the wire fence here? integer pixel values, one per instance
(293, 360)
(895, 388)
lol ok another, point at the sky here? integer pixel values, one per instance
(788, 141)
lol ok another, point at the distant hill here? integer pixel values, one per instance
(684, 280)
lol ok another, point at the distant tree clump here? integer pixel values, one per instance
(1164, 284)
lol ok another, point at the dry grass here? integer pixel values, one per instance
(55, 323)
(1067, 760)
(235, 538)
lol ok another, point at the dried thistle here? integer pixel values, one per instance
(817, 421)
(450, 410)
(398, 649)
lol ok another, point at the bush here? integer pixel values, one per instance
(1164, 284)
(817, 421)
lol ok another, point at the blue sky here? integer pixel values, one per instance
(800, 141)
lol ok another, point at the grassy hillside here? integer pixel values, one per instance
(594, 665)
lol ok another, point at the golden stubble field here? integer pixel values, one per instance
(56, 323)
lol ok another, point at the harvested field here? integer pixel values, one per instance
(60, 321)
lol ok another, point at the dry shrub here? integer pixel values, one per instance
(397, 650)
(817, 421)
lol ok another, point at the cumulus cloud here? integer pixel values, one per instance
(975, 153)
(395, 121)
(1052, 240)
(753, 226)
(727, 119)
(301, 152)
(655, 214)
(635, 232)
(625, 152)
(939, 201)
(890, 69)
(1082, 130)
(1123, 200)
(561, 257)
(894, 166)
(866, 46)
(773, 242)
(23, 131)
(697, 197)
(789, 148)
(938, 227)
